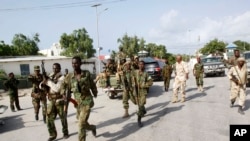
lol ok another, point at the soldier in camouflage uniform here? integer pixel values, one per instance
(126, 78)
(38, 95)
(198, 71)
(166, 73)
(56, 103)
(11, 85)
(141, 82)
(135, 62)
(84, 89)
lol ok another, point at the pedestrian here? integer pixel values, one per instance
(166, 73)
(238, 75)
(141, 83)
(56, 103)
(84, 89)
(38, 94)
(181, 76)
(198, 71)
(126, 78)
(12, 85)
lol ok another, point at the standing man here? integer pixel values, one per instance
(38, 95)
(84, 89)
(141, 83)
(126, 78)
(233, 60)
(166, 73)
(198, 71)
(56, 103)
(181, 75)
(11, 85)
(238, 75)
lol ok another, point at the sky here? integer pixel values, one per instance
(183, 26)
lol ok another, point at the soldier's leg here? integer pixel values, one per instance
(176, 86)
(51, 114)
(17, 102)
(233, 94)
(63, 118)
(132, 97)
(165, 81)
(182, 89)
(201, 82)
(125, 98)
(83, 123)
(44, 106)
(141, 111)
(36, 105)
(197, 83)
(242, 99)
(168, 81)
(12, 99)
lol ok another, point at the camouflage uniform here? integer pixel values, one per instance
(126, 78)
(141, 81)
(166, 73)
(82, 92)
(56, 105)
(38, 95)
(11, 85)
(198, 73)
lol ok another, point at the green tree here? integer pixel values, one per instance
(23, 45)
(77, 43)
(156, 50)
(5, 50)
(242, 45)
(213, 47)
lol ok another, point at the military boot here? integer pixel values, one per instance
(36, 117)
(139, 121)
(12, 108)
(240, 110)
(51, 138)
(232, 103)
(44, 118)
(126, 114)
(94, 132)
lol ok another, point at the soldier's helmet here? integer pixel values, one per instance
(36, 67)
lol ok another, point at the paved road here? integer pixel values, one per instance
(204, 116)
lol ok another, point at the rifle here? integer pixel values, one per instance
(235, 79)
(45, 87)
(136, 87)
(66, 104)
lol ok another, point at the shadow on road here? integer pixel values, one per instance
(131, 128)
(155, 91)
(247, 104)
(196, 95)
(12, 123)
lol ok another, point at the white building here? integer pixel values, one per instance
(55, 50)
(25, 65)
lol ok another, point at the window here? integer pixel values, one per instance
(25, 69)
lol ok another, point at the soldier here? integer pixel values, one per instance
(181, 75)
(166, 73)
(127, 88)
(238, 75)
(38, 95)
(233, 60)
(141, 83)
(119, 72)
(56, 103)
(84, 89)
(135, 62)
(198, 71)
(11, 85)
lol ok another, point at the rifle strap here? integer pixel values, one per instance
(237, 74)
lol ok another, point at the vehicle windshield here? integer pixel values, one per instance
(210, 60)
(247, 56)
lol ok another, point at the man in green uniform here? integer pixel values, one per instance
(141, 83)
(166, 73)
(11, 85)
(38, 95)
(126, 78)
(84, 89)
(198, 71)
(56, 103)
(135, 62)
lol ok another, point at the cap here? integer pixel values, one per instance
(241, 59)
(36, 68)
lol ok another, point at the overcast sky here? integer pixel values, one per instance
(181, 25)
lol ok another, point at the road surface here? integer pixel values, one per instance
(205, 116)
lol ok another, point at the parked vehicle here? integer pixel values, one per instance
(213, 66)
(153, 68)
(247, 57)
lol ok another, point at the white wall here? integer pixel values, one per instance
(65, 63)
